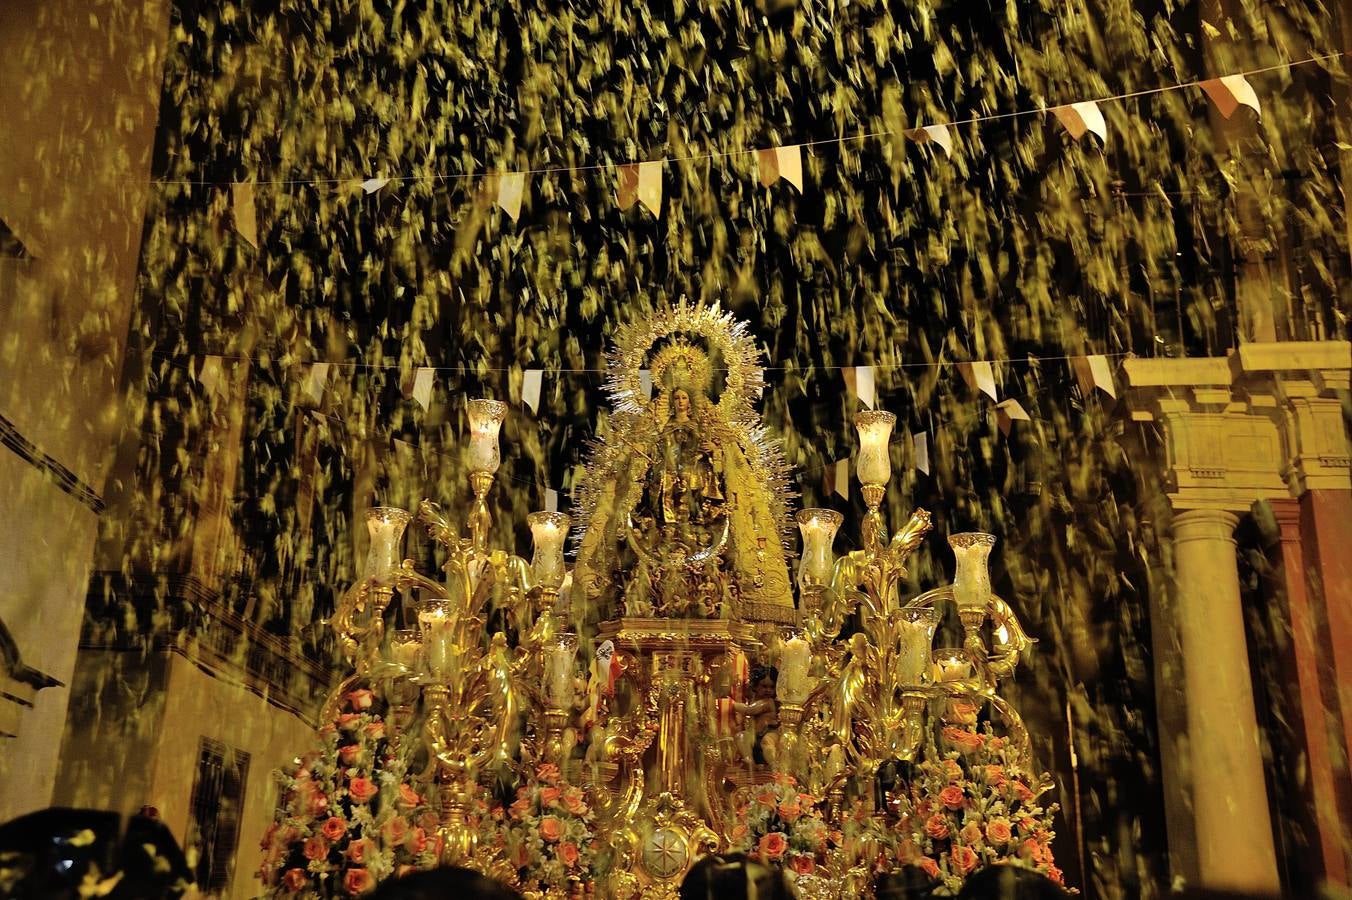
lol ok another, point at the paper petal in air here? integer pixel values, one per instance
(980, 375)
(422, 386)
(371, 185)
(210, 376)
(511, 188)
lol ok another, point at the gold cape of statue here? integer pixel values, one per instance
(684, 500)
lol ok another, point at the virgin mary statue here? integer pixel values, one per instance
(683, 504)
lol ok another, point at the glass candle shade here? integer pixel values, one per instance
(560, 654)
(818, 527)
(972, 580)
(875, 430)
(915, 643)
(406, 648)
(437, 622)
(385, 525)
(952, 664)
(485, 420)
(795, 658)
(548, 530)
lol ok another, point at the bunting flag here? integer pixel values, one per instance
(980, 375)
(531, 381)
(316, 381)
(1007, 412)
(1081, 117)
(836, 479)
(920, 442)
(645, 383)
(551, 500)
(1230, 93)
(422, 387)
(626, 190)
(937, 134)
(245, 215)
(781, 162)
(211, 375)
(650, 186)
(864, 385)
(1093, 372)
(371, 185)
(511, 187)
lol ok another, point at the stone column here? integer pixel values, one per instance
(1234, 829)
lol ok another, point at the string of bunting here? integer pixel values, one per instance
(640, 182)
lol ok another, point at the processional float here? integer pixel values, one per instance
(676, 692)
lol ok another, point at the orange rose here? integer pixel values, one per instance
(362, 789)
(739, 831)
(547, 772)
(568, 853)
(936, 827)
(1032, 850)
(790, 811)
(520, 808)
(970, 833)
(357, 850)
(1056, 875)
(964, 859)
(417, 840)
(930, 866)
(952, 771)
(334, 828)
(295, 880)
(362, 699)
(773, 845)
(316, 848)
(408, 796)
(316, 804)
(1022, 791)
(995, 775)
(951, 797)
(395, 830)
(573, 802)
(349, 754)
(375, 730)
(964, 740)
(999, 832)
(551, 829)
(349, 721)
(550, 796)
(358, 881)
(803, 864)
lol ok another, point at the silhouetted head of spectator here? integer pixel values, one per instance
(49, 854)
(906, 883)
(734, 876)
(445, 882)
(1002, 882)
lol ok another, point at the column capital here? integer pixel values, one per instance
(1205, 524)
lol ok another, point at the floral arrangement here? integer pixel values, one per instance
(347, 818)
(972, 804)
(548, 834)
(781, 825)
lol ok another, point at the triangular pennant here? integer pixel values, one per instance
(211, 375)
(851, 376)
(781, 162)
(246, 216)
(315, 382)
(1009, 411)
(921, 441)
(511, 188)
(371, 185)
(936, 133)
(1102, 375)
(1230, 93)
(864, 385)
(1084, 376)
(842, 479)
(645, 383)
(531, 380)
(422, 386)
(650, 186)
(626, 189)
(1081, 117)
(551, 500)
(980, 375)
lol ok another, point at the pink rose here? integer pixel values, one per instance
(999, 832)
(568, 854)
(316, 804)
(964, 859)
(772, 846)
(362, 789)
(951, 797)
(803, 864)
(295, 880)
(349, 721)
(334, 828)
(551, 829)
(375, 730)
(361, 699)
(316, 848)
(930, 866)
(408, 796)
(349, 754)
(358, 881)
(936, 827)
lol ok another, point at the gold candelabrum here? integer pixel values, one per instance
(648, 718)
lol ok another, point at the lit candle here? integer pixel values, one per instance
(560, 655)
(972, 580)
(405, 647)
(915, 639)
(818, 527)
(794, 658)
(434, 617)
(548, 531)
(485, 419)
(953, 664)
(385, 525)
(875, 430)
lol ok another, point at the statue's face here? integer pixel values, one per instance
(680, 401)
